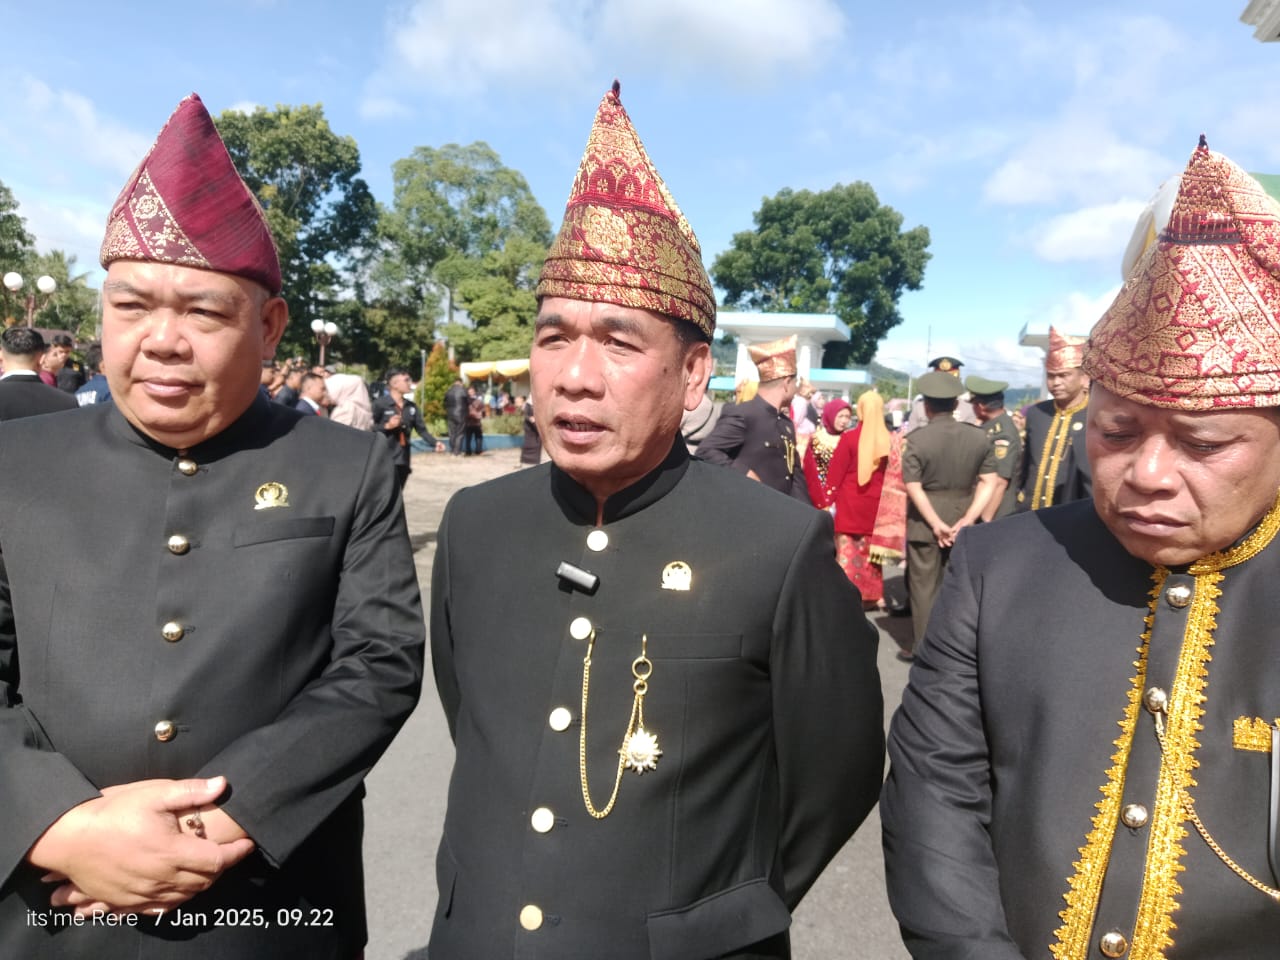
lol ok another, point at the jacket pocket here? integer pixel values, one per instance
(286, 528)
(718, 924)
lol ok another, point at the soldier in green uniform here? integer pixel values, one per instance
(1086, 762)
(987, 398)
(950, 475)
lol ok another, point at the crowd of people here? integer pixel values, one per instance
(1084, 760)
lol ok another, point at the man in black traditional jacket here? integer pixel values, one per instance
(1084, 764)
(667, 719)
(189, 704)
(757, 437)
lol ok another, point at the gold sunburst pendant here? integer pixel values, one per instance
(640, 751)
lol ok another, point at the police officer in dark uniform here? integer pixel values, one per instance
(757, 437)
(189, 705)
(396, 417)
(950, 473)
(987, 398)
(684, 724)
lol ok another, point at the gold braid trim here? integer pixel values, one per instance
(1165, 851)
(1091, 869)
(1047, 468)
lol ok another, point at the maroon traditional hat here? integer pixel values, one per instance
(186, 204)
(624, 239)
(1197, 324)
(1065, 352)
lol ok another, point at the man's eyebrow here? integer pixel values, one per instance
(547, 320)
(127, 288)
(622, 325)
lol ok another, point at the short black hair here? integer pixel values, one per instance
(989, 401)
(62, 340)
(941, 405)
(308, 377)
(93, 358)
(689, 333)
(395, 372)
(22, 341)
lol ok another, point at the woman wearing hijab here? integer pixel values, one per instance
(855, 477)
(350, 398)
(836, 417)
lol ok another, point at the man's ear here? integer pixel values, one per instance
(275, 317)
(697, 366)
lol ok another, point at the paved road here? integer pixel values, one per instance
(844, 916)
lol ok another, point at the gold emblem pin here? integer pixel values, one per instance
(1252, 733)
(677, 575)
(271, 495)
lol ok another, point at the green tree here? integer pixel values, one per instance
(465, 229)
(74, 305)
(321, 213)
(17, 246)
(838, 251)
(441, 372)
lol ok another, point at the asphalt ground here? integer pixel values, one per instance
(845, 915)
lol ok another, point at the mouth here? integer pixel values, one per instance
(167, 387)
(1151, 524)
(574, 428)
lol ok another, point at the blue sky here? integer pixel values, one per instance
(1026, 136)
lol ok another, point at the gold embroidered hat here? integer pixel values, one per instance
(774, 359)
(1195, 325)
(1065, 353)
(186, 204)
(623, 239)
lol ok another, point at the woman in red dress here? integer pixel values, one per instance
(851, 484)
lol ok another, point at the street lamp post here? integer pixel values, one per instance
(324, 333)
(44, 284)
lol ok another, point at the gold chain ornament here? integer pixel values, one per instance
(639, 750)
(1189, 807)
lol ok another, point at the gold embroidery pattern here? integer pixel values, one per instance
(1047, 469)
(1252, 734)
(1086, 886)
(1194, 328)
(1165, 851)
(624, 240)
(148, 230)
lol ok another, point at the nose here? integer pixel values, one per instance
(163, 336)
(1154, 467)
(581, 370)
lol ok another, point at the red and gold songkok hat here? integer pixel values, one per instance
(774, 359)
(1065, 353)
(186, 204)
(1195, 326)
(623, 239)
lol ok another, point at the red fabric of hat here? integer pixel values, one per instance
(1197, 325)
(624, 239)
(186, 204)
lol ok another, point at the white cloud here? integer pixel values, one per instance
(434, 46)
(999, 358)
(1093, 233)
(64, 121)
(1077, 158)
(382, 108)
(247, 107)
(749, 40)
(1077, 312)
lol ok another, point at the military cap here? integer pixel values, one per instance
(982, 387)
(940, 386)
(946, 365)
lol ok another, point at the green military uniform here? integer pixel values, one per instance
(1006, 441)
(945, 457)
